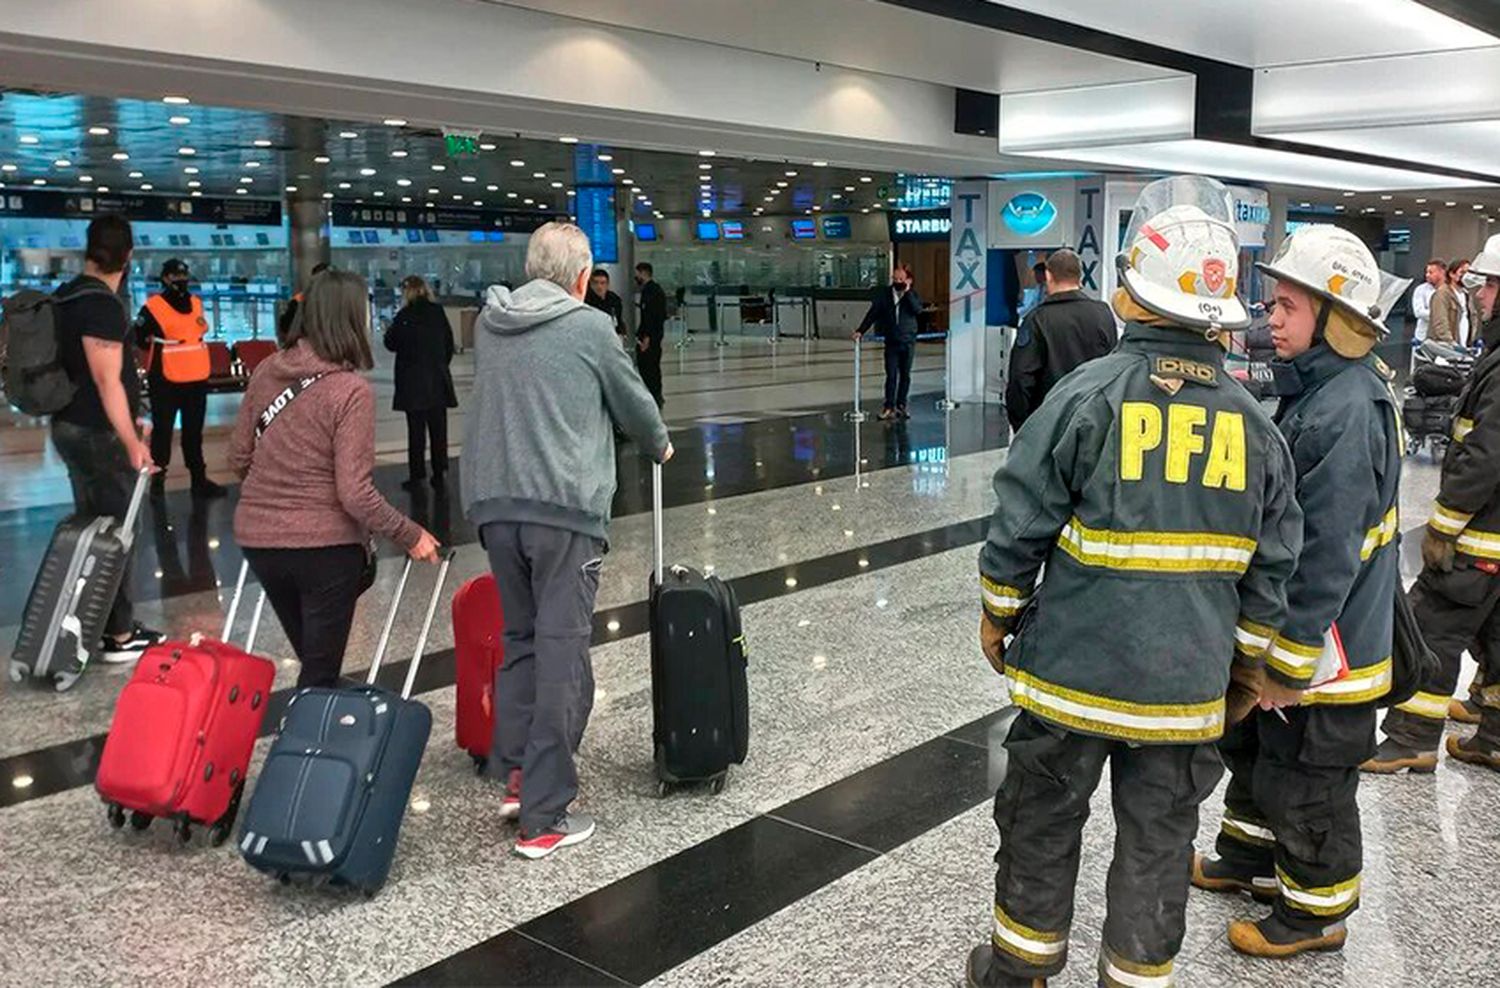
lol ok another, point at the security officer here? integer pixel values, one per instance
(1456, 599)
(1158, 495)
(1290, 833)
(171, 328)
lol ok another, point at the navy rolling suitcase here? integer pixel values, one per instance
(73, 593)
(333, 792)
(700, 697)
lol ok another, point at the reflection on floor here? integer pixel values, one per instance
(852, 848)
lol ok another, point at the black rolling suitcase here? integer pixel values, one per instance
(73, 594)
(700, 699)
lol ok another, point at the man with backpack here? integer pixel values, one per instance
(101, 433)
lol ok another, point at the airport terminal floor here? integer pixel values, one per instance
(854, 845)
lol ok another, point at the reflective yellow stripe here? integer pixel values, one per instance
(1115, 970)
(1001, 600)
(1247, 831)
(1461, 429)
(1328, 900)
(1251, 638)
(1447, 521)
(1430, 705)
(1361, 686)
(1293, 659)
(1032, 946)
(1161, 722)
(1380, 535)
(1166, 552)
(1483, 545)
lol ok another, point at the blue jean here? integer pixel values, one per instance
(898, 359)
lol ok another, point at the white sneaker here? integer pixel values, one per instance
(131, 649)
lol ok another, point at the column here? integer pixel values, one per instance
(307, 241)
(968, 275)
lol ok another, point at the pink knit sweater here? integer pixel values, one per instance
(307, 482)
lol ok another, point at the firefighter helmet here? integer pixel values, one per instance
(1181, 254)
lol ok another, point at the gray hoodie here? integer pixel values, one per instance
(549, 376)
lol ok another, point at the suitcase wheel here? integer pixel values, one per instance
(662, 788)
(116, 815)
(224, 825)
(717, 786)
(480, 764)
(183, 828)
(139, 821)
(284, 878)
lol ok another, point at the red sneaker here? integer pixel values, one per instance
(575, 828)
(510, 803)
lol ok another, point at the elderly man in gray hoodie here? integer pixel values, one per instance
(550, 385)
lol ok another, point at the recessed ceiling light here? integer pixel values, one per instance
(837, 195)
(403, 182)
(1400, 212)
(1421, 202)
(1479, 205)
(195, 193)
(529, 202)
(291, 188)
(781, 185)
(457, 197)
(1348, 195)
(147, 186)
(120, 156)
(406, 198)
(479, 202)
(7, 168)
(367, 172)
(242, 192)
(770, 199)
(176, 100)
(511, 195)
(30, 139)
(398, 153)
(492, 188)
(137, 175)
(180, 121)
(322, 159)
(1387, 197)
(85, 178)
(467, 178)
(707, 154)
(791, 174)
(1425, 214)
(606, 157)
(190, 170)
(820, 164)
(617, 171)
(62, 163)
(517, 163)
(99, 131)
(542, 206)
(557, 185)
(342, 185)
(187, 151)
(326, 195)
(627, 181)
(348, 135)
(568, 140)
(538, 174)
(246, 180)
(39, 181)
(252, 164)
(262, 143)
(1305, 205)
(866, 178)
(439, 168)
(101, 188)
(1339, 208)
(394, 122)
(487, 146)
(195, 184)
(1450, 205)
(705, 166)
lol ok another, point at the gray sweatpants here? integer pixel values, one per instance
(544, 690)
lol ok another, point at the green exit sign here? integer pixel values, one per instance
(461, 144)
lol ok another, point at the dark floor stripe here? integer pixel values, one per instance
(70, 764)
(668, 913)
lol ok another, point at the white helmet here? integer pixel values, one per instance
(1181, 255)
(1335, 265)
(1488, 261)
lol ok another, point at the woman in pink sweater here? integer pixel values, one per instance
(304, 444)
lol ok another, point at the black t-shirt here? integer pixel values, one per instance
(611, 304)
(90, 309)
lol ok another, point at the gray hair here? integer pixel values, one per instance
(559, 253)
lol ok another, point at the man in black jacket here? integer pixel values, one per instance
(1066, 329)
(894, 312)
(650, 329)
(600, 297)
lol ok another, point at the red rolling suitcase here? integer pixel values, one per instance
(478, 626)
(184, 729)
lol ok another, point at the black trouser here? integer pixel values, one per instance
(103, 482)
(1291, 812)
(648, 361)
(898, 358)
(544, 691)
(1041, 809)
(167, 399)
(313, 592)
(419, 427)
(1456, 611)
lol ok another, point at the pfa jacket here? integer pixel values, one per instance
(1468, 502)
(1158, 495)
(1343, 427)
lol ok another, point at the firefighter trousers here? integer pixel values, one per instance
(1456, 611)
(1291, 819)
(1040, 810)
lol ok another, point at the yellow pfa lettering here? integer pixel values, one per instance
(1226, 453)
(1183, 439)
(1221, 451)
(1140, 431)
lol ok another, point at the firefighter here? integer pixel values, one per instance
(170, 329)
(1290, 833)
(1456, 598)
(1158, 495)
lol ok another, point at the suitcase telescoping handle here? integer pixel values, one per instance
(132, 513)
(234, 610)
(446, 556)
(657, 522)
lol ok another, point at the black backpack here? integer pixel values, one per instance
(36, 382)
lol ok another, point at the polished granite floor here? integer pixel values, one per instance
(852, 848)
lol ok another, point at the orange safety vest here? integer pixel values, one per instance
(184, 355)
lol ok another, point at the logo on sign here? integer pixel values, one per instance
(1028, 214)
(924, 225)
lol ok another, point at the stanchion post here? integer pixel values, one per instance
(858, 414)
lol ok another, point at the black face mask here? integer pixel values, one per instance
(177, 288)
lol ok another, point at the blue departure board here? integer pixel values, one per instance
(595, 206)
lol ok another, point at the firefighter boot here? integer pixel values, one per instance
(1392, 756)
(1464, 711)
(982, 972)
(1270, 937)
(1212, 874)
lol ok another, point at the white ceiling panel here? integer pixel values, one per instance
(1472, 146)
(859, 34)
(1270, 32)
